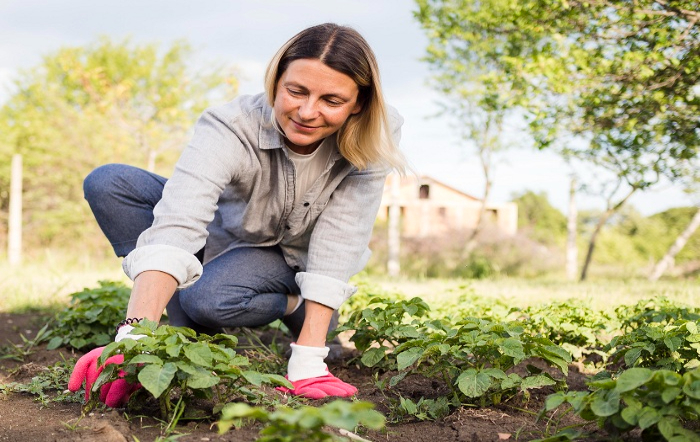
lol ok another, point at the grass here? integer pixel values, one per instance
(600, 294)
(46, 281)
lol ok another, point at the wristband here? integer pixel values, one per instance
(128, 321)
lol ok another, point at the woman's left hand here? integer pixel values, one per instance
(310, 377)
(320, 387)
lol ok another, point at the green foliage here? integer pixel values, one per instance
(471, 305)
(82, 107)
(305, 423)
(472, 356)
(674, 221)
(657, 311)
(174, 361)
(659, 402)
(19, 352)
(496, 255)
(90, 318)
(572, 325)
(674, 347)
(423, 409)
(542, 221)
(49, 385)
(620, 77)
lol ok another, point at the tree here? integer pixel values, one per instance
(676, 247)
(542, 221)
(609, 82)
(105, 102)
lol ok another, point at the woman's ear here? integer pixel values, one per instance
(356, 110)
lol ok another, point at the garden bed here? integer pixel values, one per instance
(24, 418)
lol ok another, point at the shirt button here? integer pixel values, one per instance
(296, 267)
(306, 204)
(287, 227)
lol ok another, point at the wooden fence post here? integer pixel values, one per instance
(14, 230)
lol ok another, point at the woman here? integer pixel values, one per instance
(276, 196)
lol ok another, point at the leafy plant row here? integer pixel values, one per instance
(474, 357)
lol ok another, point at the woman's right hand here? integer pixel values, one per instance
(113, 394)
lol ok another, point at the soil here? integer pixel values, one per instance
(24, 419)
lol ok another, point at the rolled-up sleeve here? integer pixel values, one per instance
(189, 201)
(338, 246)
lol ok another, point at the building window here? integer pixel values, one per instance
(442, 212)
(424, 192)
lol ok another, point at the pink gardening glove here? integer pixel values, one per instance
(114, 394)
(320, 387)
(310, 376)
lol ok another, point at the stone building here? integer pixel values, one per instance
(431, 208)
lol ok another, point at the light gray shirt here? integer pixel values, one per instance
(234, 186)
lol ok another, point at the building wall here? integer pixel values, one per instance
(431, 208)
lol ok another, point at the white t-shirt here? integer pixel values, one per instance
(309, 167)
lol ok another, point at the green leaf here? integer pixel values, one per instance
(668, 395)
(606, 404)
(156, 379)
(408, 357)
(146, 359)
(631, 415)
(78, 343)
(473, 384)
(692, 389)
(536, 381)
(633, 378)
(495, 373)
(514, 348)
(54, 343)
(373, 356)
(173, 350)
(648, 417)
(554, 400)
(254, 377)
(632, 355)
(667, 426)
(199, 353)
(202, 379)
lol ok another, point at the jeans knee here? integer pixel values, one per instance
(210, 310)
(100, 182)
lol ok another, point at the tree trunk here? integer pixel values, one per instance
(571, 225)
(14, 230)
(601, 222)
(485, 157)
(393, 263)
(677, 246)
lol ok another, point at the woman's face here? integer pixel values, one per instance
(313, 101)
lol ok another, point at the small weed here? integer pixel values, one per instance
(51, 379)
(18, 352)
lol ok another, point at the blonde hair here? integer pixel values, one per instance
(365, 138)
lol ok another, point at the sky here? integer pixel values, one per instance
(247, 34)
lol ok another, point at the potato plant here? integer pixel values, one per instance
(474, 357)
(305, 423)
(674, 346)
(661, 403)
(174, 365)
(572, 325)
(88, 321)
(659, 311)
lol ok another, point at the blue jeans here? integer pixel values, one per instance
(245, 287)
